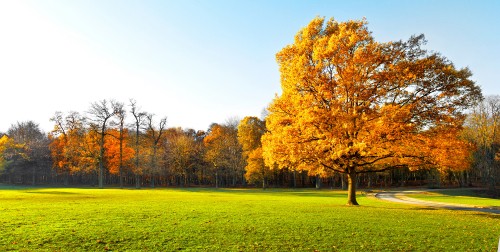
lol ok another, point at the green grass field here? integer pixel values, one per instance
(458, 196)
(53, 219)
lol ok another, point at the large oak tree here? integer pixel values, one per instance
(351, 104)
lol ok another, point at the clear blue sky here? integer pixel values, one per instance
(199, 62)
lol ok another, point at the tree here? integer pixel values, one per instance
(6, 144)
(353, 105)
(100, 114)
(154, 136)
(58, 143)
(120, 115)
(256, 169)
(138, 123)
(180, 151)
(224, 152)
(118, 154)
(34, 153)
(66, 143)
(483, 130)
(3, 146)
(250, 131)
(11, 155)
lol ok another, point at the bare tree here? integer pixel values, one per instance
(100, 115)
(120, 115)
(138, 123)
(154, 135)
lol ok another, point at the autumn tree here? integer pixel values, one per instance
(154, 134)
(180, 150)
(199, 164)
(100, 115)
(353, 105)
(250, 131)
(34, 152)
(7, 149)
(66, 142)
(120, 115)
(139, 119)
(483, 130)
(236, 169)
(118, 154)
(4, 141)
(223, 151)
(58, 142)
(214, 145)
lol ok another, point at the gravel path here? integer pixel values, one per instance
(400, 197)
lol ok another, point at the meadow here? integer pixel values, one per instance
(87, 219)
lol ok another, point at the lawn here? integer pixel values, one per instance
(84, 219)
(458, 196)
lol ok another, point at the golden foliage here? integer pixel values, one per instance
(250, 131)
(5, 144)
(351, 104)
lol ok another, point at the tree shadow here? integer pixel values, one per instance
(52, 192)
(470, 192)
(302, 192)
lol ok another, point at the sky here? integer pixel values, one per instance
(202, 62)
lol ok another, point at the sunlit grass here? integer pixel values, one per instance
(459, 196)
(230, 220)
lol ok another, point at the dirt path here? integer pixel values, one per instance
(400, 197)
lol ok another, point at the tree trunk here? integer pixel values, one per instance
(153, 167)
(100, 175)
(121, 161)
(101, 161)
(137, 181)
(34, 175)
(318, 182)
(294, 179)
(66, 178)
(351, 188)
(216, 179)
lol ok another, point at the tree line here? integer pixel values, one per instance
(353, 112)
(141, 152)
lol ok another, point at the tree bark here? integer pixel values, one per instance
(351, 188)
(216, 179)
(153, 167)
(121, 159)
(101, 165)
